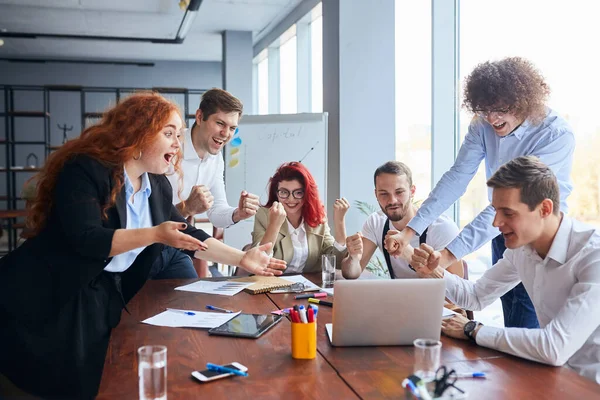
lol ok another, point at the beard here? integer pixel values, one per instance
(396, 214)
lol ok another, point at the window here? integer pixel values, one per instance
(288, 76)
(413, 91)
(263, 86)
(316, 48)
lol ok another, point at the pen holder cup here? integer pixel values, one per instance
(304, 340)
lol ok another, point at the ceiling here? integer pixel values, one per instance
(158, 19)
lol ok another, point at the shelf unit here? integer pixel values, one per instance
(86, 105)
(16, 98)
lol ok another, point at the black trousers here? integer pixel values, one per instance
(63, 356)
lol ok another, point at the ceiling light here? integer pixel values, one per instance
(188, 18)
(1, 42)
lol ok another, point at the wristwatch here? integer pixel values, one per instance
(469, 329)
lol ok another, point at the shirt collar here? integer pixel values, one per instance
(145, 187)
(189, 152)
(560, 244)
(291, 229)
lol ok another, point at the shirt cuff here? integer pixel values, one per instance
(339, 247)
(487, 335)
(458, 248)
(417, 224)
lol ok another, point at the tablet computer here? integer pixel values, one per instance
(247, 325)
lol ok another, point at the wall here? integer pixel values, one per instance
(65, 107)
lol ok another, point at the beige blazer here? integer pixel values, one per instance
(319, 241)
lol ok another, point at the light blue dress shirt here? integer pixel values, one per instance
(138, 216)
(552, 141)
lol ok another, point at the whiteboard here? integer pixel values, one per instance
(261, 144)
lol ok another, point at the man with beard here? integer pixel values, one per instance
(394, 191)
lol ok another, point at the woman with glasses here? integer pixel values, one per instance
(101, 215)
(509, 100)
(294, 221)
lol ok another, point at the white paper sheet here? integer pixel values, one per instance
(448, 313)
(224, 288)
(200, 319)
(308, 285)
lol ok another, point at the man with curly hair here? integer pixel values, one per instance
(508, 98)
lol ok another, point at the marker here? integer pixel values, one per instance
(320, 302)
(181, 311)
(411, 386)
(215, 308)
(310, 295)
(470, 375)
(303, 317)
(219, 368)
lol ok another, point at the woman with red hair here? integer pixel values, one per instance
(101, 216)
(294, 221)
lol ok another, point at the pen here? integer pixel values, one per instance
(310, 295)
(470, 375)
(321, 302)
(181, 311)
(411, 386)
(215, 308)
(219, 368)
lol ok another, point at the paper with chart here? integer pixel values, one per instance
(224, 288)
(190, 319)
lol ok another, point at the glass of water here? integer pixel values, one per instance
(152, 371)
(328, 270)
(427, 358)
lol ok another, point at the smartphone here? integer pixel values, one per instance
(208, 375)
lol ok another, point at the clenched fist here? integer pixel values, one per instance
(354, 244)
(277, 215)
(199, 200)
(247, 206)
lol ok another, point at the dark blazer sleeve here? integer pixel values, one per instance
(172, 213)
(80, 187)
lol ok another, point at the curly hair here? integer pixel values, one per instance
(512, 83)
(313, 211)
(124, 131)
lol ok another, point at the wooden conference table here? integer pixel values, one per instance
(336, 373)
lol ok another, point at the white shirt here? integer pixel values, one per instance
(138, 216)
(207, 171)
(441, 232)
(565, 291)
(300, 244)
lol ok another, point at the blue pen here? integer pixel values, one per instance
(215, 308)
(411, 386)
(470, 375)
(220, 368)
(181, 311)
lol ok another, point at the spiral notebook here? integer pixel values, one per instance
(262, 284)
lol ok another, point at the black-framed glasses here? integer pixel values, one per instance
(498, 113)
(444, 378)
(284, 194)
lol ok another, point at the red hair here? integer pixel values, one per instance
(124, 131)
(313, 211)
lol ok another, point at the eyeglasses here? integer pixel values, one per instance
(284, 194)
(444, 378)
(499, 113)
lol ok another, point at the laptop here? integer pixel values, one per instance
(386, 312)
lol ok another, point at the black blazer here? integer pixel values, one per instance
(59, 303)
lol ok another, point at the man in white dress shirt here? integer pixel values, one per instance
(203, 185)
(555, 257)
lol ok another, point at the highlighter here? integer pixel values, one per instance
(311, 295)
(320, 302)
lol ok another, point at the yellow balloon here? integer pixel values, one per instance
(233, 162)
(234, 151)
